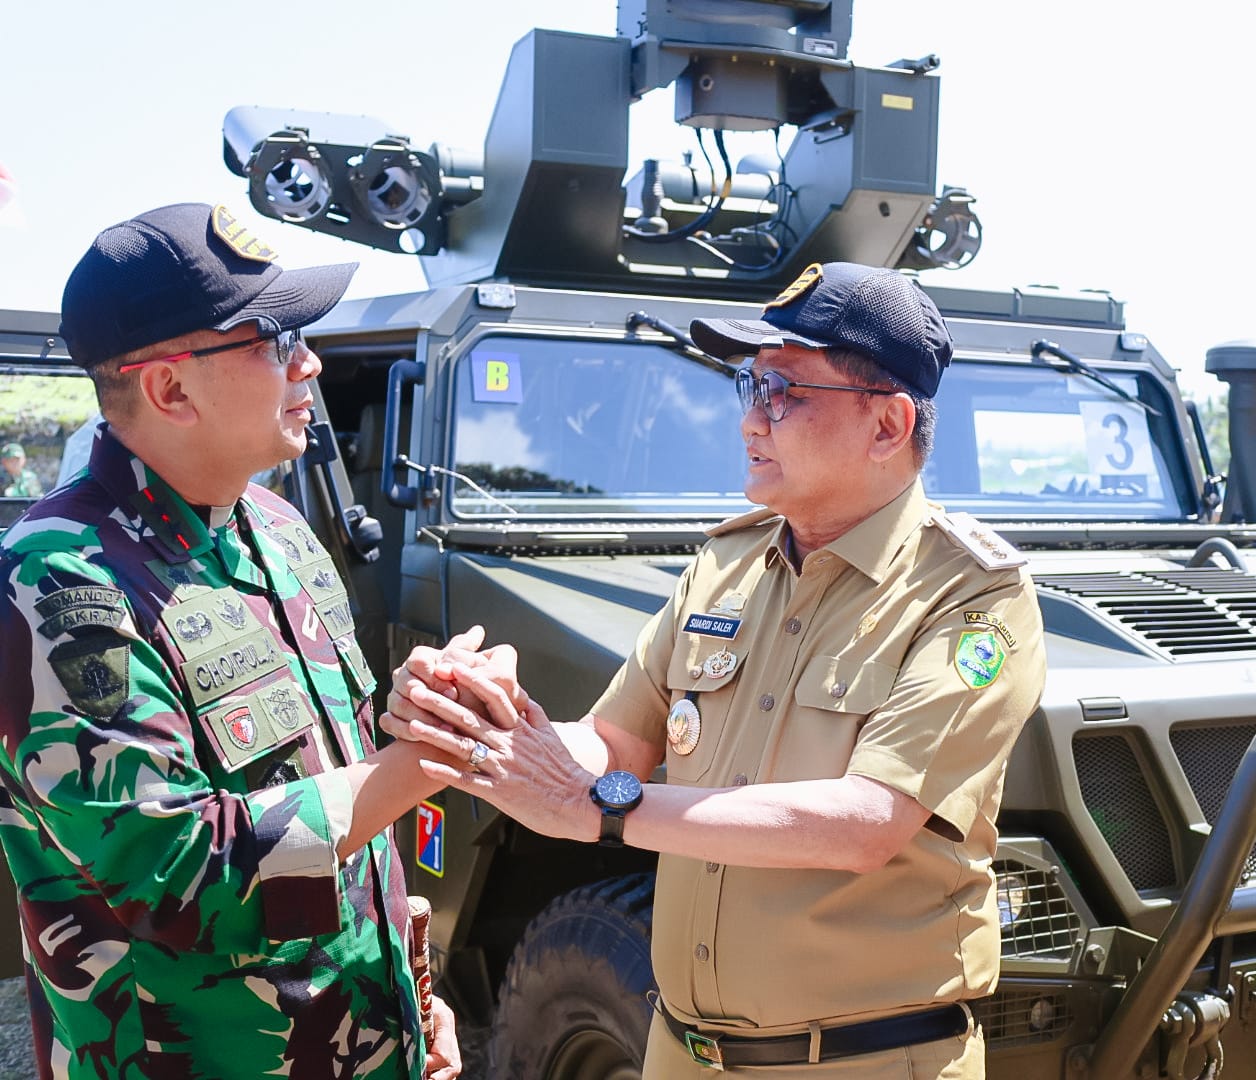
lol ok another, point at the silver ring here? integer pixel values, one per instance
(478, 753)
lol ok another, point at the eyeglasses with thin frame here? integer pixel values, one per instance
(770, 390)
(286, 344)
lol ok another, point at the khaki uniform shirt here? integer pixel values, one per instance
(909, 651)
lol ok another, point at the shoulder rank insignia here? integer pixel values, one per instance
(979, 658)
(979, 540)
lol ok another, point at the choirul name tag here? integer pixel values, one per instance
(712, 626)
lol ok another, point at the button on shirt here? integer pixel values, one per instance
(872, 683)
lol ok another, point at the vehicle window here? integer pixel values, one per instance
(576, 427)
(1032, 443)
(49, 416)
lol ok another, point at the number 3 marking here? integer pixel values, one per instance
(1115, 420)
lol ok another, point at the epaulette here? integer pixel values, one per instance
(980, 541)
(742, 521)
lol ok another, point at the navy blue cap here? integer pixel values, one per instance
(179, 269)
(870, 309)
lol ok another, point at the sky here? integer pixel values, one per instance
(1107, 142)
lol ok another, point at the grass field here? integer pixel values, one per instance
(43, 406)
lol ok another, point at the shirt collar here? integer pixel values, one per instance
(872, 545)
(173, 527)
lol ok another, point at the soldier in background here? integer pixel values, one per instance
(19, 481)
(835, 687)
(193, 807)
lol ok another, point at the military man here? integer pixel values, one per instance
(19, 481)
(193, 807)
(835, 687)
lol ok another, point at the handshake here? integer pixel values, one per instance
(478, 730)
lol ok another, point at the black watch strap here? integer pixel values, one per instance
(612, 834)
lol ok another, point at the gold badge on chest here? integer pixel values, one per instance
(684, 727)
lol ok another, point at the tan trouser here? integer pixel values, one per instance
(962, 1057)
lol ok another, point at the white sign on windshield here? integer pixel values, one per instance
(1118, 445)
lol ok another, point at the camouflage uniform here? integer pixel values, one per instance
(25, 485)
(176, 697)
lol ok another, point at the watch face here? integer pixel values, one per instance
(618, 788)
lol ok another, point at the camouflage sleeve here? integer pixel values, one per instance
(101, 763)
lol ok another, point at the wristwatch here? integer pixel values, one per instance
(616, 793)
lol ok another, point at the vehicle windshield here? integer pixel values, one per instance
(616, 429)
(579, 428)
(1024, 443)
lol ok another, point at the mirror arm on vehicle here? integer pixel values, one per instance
(680, 341)
(1073, 364)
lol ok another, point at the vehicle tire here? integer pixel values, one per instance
(573, 1005)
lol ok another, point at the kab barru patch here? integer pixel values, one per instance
(979, 658)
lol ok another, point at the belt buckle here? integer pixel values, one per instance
(705, 1050)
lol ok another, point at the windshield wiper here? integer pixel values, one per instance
(683, 343)
(1072, 364)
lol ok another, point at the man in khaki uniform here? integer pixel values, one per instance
(835, 686)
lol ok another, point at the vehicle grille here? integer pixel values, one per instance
(1123, 808)
(1183, 613)
(1210, 757)
(1035, 915)
(1014, 1017)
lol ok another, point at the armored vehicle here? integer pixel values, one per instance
(534, 444)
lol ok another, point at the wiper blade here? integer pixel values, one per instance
(1072, 364)
(682, 342)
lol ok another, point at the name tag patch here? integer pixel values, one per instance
(214, 674)
(712, 626)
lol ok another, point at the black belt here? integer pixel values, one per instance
(908, 1029)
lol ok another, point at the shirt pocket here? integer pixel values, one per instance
(361, 685)
(712, 696)
(834, 696)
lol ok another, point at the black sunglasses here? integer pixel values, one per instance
(770, 391)
(286, 342)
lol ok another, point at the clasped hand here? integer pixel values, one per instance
(467, 705)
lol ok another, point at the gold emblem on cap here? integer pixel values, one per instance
(808, 279)
(236, 235)
(719, 664)
(684, 726)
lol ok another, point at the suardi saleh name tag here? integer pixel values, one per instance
(712, 626)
